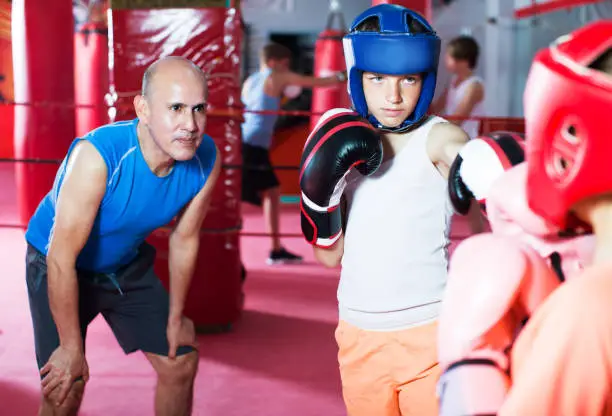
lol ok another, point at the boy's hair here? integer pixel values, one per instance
(464, 48)
(372, 24)
(275, 52)
(604, 62)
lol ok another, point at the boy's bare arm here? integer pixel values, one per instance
(474, 94)
(292, 78)
(443, 145)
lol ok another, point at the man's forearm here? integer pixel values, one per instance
(63, 289)
(183, 253)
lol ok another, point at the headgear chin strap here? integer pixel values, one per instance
(394, 50)
(567, 108)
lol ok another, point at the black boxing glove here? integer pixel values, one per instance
(340, 141)
(479, 163)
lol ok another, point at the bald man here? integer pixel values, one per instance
(86, 252)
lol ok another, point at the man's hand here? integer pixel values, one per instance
(180, 332)
(64, 367)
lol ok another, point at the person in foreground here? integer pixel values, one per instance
(86, 251)
(560, 362)
(263, 91)
(387, 221)
(565, 350)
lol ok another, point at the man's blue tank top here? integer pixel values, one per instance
(257, 129)
(136, 201)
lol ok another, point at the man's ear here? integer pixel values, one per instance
(142, 108)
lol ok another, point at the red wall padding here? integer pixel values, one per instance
(211, 38)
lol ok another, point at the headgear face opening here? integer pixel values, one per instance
(393, 50)
(567, 108)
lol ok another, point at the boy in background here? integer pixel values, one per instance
(263, 91)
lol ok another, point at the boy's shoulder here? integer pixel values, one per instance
(443, 134)
(445, 130)
(435, 126)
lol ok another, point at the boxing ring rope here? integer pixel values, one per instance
(487, 124)
(237, 111)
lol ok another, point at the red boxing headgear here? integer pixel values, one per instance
(567, 108)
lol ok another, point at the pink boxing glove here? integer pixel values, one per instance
(510, 215)
(487, 300)
(496, 280)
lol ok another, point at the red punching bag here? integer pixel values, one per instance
(91, 76)
(423, 7)
(43, 67)
(329, 59)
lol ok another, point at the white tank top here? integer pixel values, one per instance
(395, 258)
(455, 95)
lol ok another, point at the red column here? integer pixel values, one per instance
(43, 68)
(91, 76)
(420, 6)
(6, 81)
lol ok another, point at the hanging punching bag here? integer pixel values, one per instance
(423, 7)
(43, 65)
(91, 76)
(329, 59)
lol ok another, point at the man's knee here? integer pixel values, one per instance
(70, 406)
(178, 371)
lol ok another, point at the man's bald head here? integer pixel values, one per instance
(172, 107)
(169, 68)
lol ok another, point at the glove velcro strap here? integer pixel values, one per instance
(473, 361)
(460, 388)
(321, 228)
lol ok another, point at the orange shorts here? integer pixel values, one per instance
(562, 360)
(388, 373)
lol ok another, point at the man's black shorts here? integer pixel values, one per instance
(260, 177)
(133, 301)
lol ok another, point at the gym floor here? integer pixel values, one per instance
(278, 360)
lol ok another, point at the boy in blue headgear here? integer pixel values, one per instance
(393, 248)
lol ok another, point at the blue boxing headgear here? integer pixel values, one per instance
(394, 50)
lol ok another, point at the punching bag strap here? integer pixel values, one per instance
(335, 13)
(89, 28)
